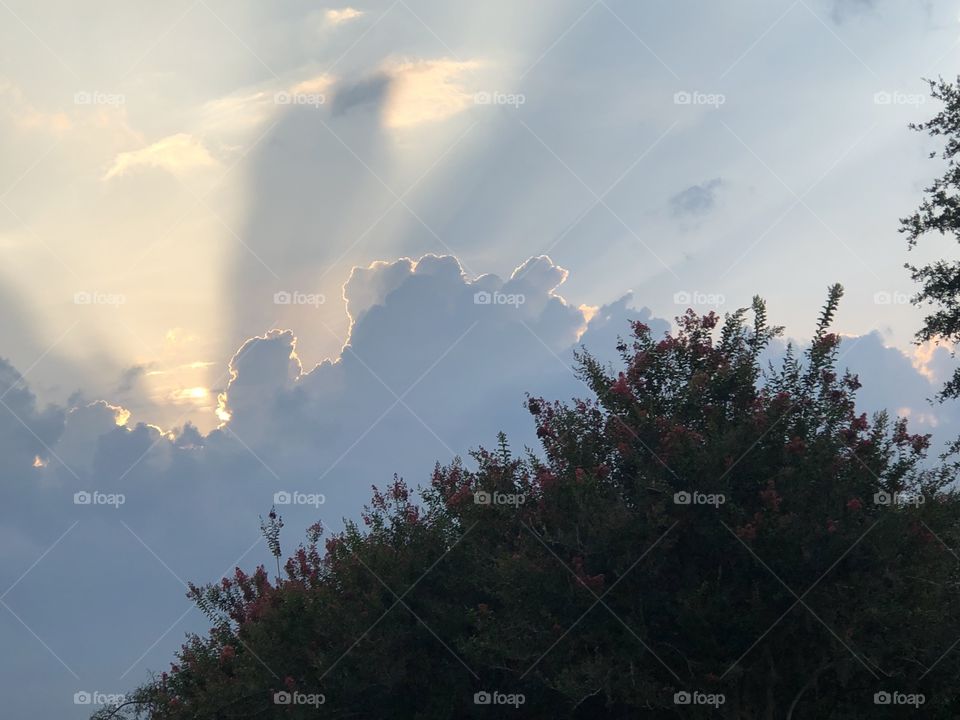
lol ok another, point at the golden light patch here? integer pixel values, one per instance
(589, 312)
(26, 116)
(342, 15)
(189, 394)
(427, 91)
(319, 84)
(177, 154)
(922, 357)
(921, 418)
(52, 122)
(199, 365)
(121, 415)
(222, 413)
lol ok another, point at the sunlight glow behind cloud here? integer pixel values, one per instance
(177, 154)
(342, 15)
(427, 91)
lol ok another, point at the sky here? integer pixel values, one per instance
(250, 248)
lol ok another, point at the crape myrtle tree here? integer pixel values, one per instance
(701, 538)
(939, 212)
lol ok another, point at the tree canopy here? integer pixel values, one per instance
(939, 212)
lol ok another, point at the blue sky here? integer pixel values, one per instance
(242, 244)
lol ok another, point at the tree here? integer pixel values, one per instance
(701, 538)
(940, 211)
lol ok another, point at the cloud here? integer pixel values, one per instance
(611, 322)
(84, 427)
(178, 154)
(415, 325)
(697, 200)
(934, 361)
(427, 91)
(342, 15)
(26, 431)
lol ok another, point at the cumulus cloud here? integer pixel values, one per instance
(27, 432)
(84, 426)
(421, 333)
(177, 154)
(934, 361)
